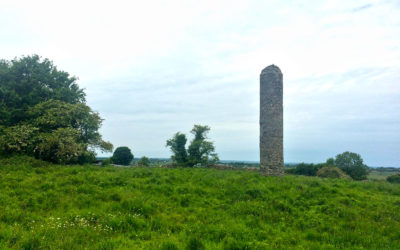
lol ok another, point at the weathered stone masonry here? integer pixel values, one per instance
(271, 121)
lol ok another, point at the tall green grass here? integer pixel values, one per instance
(46, 206)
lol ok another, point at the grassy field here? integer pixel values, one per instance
(380, 175)
(73, 207)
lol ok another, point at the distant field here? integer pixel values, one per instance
(76, 207)
(379, 175)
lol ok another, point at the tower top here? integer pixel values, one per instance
(271, 68)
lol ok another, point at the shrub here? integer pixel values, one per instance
(19, 139)
(394, 178)
(332, 172)
(144, 162)
(122, 156)
(308, 169)
(106, 162)
(60, 146)
(87, 157)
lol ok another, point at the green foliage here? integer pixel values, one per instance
(92, 207)
(21, 139)
(177, 145)
(60, 146)
(331, 172)
(43, 113)
(330, 162)
(352, 164)
(307, 169)
(106, 162)
(144, 162)
(28, 81)
(122, 156)
(194, 244)
(168, 246)
(199, 152)
(394, 178)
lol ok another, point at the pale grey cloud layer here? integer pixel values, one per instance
(152, 68)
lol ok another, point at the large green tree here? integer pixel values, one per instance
(43, 113)
(28, 81)
(352, 164)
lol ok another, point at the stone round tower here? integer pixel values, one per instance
(271, 121)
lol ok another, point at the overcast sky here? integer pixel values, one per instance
(152, 68)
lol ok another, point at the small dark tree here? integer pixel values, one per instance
(177, 146)
(352, 164)
(122, 156)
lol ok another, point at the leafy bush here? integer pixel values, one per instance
(122, 156)
(352, 164)
(394, 178)
(60, 146)
(20, 139)
(106, 162)
(308, 169)
(332, 172)
(144, 162)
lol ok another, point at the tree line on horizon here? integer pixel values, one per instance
(344, 165)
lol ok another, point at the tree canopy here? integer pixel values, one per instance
(122, 156)
(200, 151)
(43, 113)
(352, 164)
(177, 145)
(30, 80)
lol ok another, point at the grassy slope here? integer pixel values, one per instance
(94, 207)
